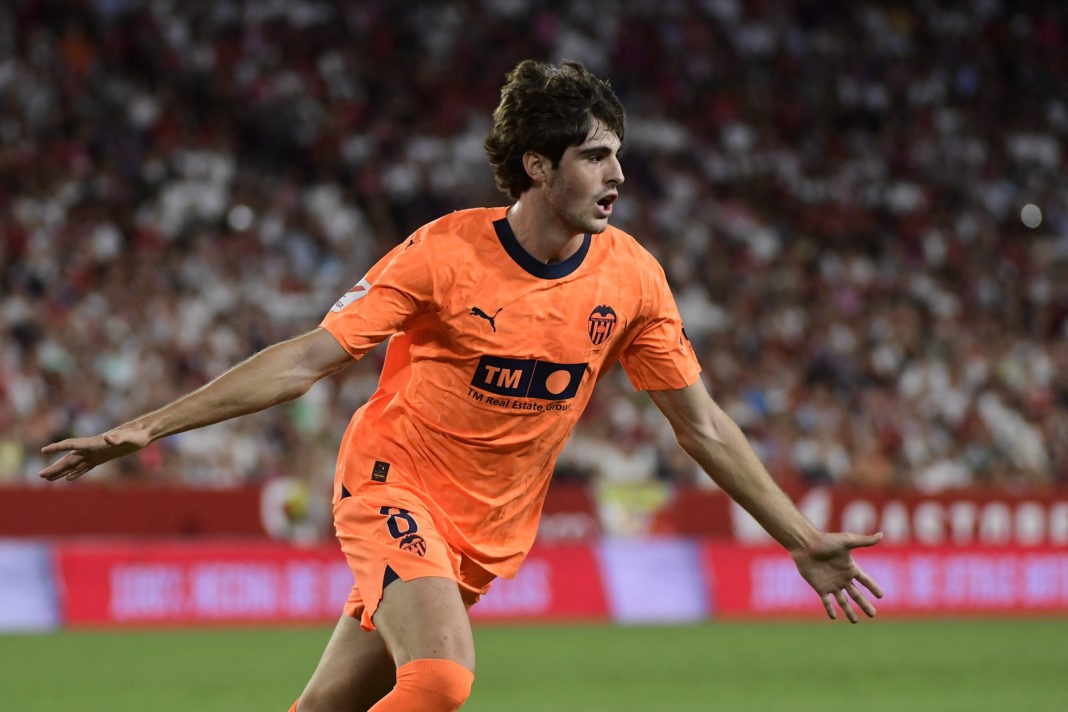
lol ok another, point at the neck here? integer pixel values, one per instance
(544, 239)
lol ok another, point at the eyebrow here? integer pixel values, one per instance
(601, 150)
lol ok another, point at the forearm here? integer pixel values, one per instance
(272, 376)
(724, 453)
(722, 450)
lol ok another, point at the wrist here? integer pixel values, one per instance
(803, 542)
(142, 430)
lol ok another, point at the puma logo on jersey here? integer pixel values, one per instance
(475, 311)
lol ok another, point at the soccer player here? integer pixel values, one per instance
(500, 321)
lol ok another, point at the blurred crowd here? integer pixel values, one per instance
(860, 206)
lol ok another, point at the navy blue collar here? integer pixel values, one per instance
(532, 265)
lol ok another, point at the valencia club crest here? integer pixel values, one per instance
(602, 321)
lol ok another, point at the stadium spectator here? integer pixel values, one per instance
(835, 191)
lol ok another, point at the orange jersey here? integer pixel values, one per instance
(492, 359)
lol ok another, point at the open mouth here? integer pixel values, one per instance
(606, 202)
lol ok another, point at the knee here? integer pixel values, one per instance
(442, 685)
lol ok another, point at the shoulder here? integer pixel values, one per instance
(449, 245)
(636, 270)
(624, 249)
(458, 227)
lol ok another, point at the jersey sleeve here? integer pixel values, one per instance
(660, 357)
(394, 291)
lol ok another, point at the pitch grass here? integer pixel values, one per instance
(941, 666)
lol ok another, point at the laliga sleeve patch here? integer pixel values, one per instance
(358, 291)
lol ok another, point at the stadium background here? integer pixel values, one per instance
(860, 206)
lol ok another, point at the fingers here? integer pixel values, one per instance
(860, 600)
(80, 456)
(856, 541)
(857, 597)
(98, 442)
(869, 583)
(66, 466)
(60, 446)
(833, 573)
(55, 470)
(828, 606)
(71, 467)
(843, 603)
(847, 608)
(76, 462)
(78, 472)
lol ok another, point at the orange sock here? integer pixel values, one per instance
(294, 707)
(428, 685)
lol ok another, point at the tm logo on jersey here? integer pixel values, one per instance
(528, 378)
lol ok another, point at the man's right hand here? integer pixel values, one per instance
(83, 454)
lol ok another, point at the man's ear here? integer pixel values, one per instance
(537, 166)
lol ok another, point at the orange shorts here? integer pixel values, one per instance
(387, 534)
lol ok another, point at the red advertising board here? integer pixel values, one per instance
(569, 514)
(960, 517)
(554, 583)
(762, 581)
(66, 508)
(184, 583)
(178, 583)
(139, 510)
(212, 582)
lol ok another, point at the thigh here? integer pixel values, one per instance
(389, 534)
(355, 671)
(426, 618)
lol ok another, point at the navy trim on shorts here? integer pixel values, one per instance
(389, 577)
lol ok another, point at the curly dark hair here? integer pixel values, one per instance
(546, 108)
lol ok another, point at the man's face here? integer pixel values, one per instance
(583, 187)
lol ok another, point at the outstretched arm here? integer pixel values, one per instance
(277, 374)
(718, 445)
